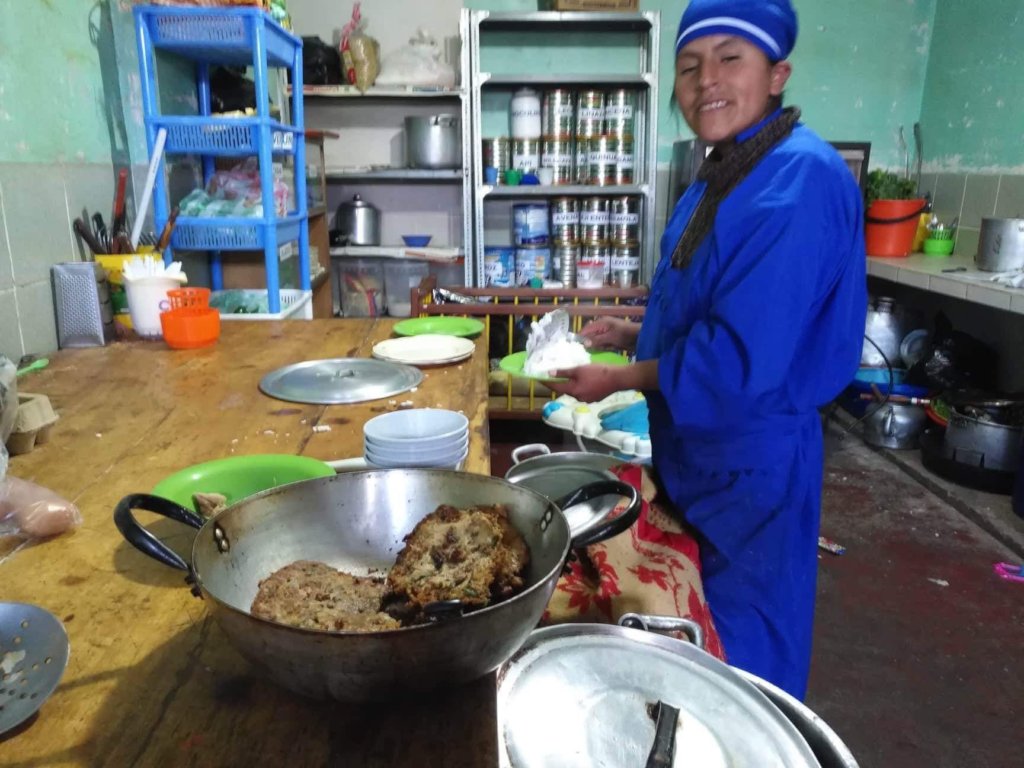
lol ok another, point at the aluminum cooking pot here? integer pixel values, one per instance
(358, 222)
(356, 522)
(1001, 245)
(594, 694)
(433, 142)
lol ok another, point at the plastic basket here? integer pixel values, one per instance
(220, 136)
(181, 298)
(229, 233)
(295, 304)
(218, 36)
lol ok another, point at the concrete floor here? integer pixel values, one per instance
(918, 656)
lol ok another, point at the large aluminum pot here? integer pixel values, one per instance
(356, 522)
(358, 222)
(982, 442)
(1001, 245)
(433, 142)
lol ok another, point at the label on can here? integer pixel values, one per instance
(625, 219)
(603, 156)
(563, 218)
(557, 161)
(593, 218)
(499, 266)
(619, 112)
(625, 262)
(624, 160)
(526, 162)
(590, 113)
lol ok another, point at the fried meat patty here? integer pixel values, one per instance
(474, 555)
(313, 595)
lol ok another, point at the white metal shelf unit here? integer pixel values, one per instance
(239, 36)
(602, 35)
(377, 96)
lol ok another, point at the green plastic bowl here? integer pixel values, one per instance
(938, 247)
(239, 476)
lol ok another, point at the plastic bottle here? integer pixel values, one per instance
(524, 114)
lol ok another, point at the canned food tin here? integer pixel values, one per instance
(496, 154)
(601, 253)
(581, 172)
(563, 264)
(589, 274)
(558, 156)
(531, 263)
(594, 217)
(624, 221)
(590, 114)
(499, 266)
(623, 149)
(526, 155)
(530, 224)
(558, 114)
(565, 221)
(625, 266)
(619, 110)
(603, 158)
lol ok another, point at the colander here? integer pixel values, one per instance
(33, 654)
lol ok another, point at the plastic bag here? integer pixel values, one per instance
(360, 53)
(954, 360)
(321, 63)
(418, 63)
(33, 512)
(8, 403)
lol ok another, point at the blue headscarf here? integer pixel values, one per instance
(769, 24)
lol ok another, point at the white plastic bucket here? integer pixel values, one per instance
(147, 298)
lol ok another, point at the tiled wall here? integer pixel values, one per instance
(970, 197)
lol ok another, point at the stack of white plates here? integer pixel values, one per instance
(424, 349)
(421, 437)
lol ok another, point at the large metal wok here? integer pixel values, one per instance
(356, 522)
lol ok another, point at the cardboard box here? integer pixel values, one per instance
(630, 6)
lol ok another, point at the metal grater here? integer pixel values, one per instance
(81, 298)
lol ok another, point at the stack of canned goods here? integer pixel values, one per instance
(532, 239)
(586, 138)
(565, 236)
(624, 236)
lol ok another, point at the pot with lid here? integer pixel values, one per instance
(433, 142)
(594, 694)
(1001, 245)
(358, 222)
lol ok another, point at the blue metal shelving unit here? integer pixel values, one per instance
(242, 36)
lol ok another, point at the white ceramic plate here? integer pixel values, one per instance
(426, 349)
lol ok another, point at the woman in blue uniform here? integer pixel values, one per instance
(754, 320)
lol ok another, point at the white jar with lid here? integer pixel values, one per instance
(524, 114)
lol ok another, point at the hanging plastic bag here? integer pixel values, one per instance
(418, 63)
(360, 53)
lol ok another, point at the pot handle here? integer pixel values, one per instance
(444, 120)
(146, 542)
(607, 528)
(539, 448)
(664, 624)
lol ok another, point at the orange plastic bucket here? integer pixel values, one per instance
(890, 227)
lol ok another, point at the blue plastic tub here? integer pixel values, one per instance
(850, 399)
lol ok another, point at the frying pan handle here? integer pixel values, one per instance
(662, 624)
(143, 540)
(607, 528)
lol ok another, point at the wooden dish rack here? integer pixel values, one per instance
(512, 398)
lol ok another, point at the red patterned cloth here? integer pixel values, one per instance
(652, 568)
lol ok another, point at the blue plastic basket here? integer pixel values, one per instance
(223, 136)
(227, 36)
(229, 233)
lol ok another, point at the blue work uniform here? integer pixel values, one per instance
(759, 330)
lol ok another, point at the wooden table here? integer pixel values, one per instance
(152, 681)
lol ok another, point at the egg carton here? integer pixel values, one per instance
(32, 423)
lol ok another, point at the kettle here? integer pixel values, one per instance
(358, 222)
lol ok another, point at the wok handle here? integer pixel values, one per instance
(143, 540)
(663, 624)
(607, 528)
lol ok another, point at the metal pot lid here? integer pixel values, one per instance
(356, 202)
(584, 694)
(341, 380)
(556, 475)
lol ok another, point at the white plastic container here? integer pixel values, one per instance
(400, 277)
(524, 114)
(361, 287)
(147, 298)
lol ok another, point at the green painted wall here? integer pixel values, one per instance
(973, 110)
(53, 107)
(859, 68)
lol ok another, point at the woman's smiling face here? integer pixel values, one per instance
(725, 84)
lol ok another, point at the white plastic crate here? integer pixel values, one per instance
(295, 305)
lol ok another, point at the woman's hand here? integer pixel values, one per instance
(610, 333)
(587, 383)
